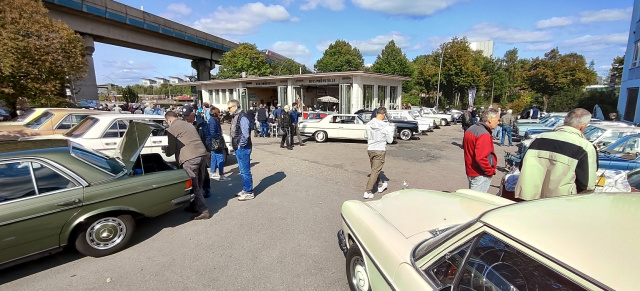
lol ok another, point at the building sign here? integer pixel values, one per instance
(262, 84)
(323, 81)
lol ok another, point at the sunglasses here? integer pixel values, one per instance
(231, 107)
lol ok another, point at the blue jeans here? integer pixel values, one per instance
(480, 183)
(506, 130)
(497, 132)
(217, 162)
(264, 129)
(244, 165)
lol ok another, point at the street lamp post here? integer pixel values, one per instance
(439, 71)
(114, 82)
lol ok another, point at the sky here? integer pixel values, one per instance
(303, 29)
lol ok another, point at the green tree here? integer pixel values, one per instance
(287, 67)
(460, 69)
(245, 58)
(38, 55)
(340, 57)
(129, 95)
(616, 70)
(392, 61)
(557, 72)
(515, 72)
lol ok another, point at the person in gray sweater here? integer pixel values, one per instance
(379, 134)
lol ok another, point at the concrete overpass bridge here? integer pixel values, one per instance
(114, 23)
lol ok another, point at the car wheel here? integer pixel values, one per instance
(357, 270)
(443, 122)
(320, 136)
(105, 235)
(405, 134)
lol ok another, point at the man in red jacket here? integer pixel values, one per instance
(480, 160)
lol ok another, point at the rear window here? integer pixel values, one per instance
(83, 127)
(38, 121)
(98, 160)
(24, 116)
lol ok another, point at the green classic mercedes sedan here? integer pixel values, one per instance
(55, 193)
(468, 240)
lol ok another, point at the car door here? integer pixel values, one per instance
(110, 138)
(36, 199)
(351, 128)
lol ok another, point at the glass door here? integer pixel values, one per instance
(282, 96)
(243, 98)
(368, 97)
(345, 98)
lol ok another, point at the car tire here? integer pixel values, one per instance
(114, 232)
(357, 276)
(320, 136)
(405, 134)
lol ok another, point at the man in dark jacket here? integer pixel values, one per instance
(467, 120)
(285, 123)
(185, 143)
(263, 115)
(251, 113)
(241, 142)
(480, 159)
(189, 115)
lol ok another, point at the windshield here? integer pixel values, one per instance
(594, 134)
(625, 146)
(81, 128)
(414, 114)
(38, 121)
(96, 159)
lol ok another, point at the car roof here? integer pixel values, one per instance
(596, 234)
(31, 145)
(75, 110)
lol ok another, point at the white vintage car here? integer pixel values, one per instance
(444, 119)
(103, 132)
(468, 240)
(338, 126)
(424, 124)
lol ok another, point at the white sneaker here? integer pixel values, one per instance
(383, 187)
(214, 176)
(246, 196)
(368, 195)
(224, 178)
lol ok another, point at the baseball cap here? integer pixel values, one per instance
(187, 110)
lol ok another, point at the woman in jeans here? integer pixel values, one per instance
(217, 157)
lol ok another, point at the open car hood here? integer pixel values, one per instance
(133, 141)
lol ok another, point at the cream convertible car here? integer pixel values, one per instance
(467, 240)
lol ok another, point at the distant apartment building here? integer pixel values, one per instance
(160, 81)
(175, 80)
(148, 82)
(485, 46)
(628, 101)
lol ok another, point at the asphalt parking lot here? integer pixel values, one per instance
(284, 239)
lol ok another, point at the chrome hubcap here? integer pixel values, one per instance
(320, 135)
(359, 277)
(405, 135)
(106, 233)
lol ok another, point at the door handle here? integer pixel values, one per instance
(69, 202)
(156, 142)
(110, 143)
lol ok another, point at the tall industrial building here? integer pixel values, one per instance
(485, 46)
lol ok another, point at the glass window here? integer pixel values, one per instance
(495, 265)
(393, 97)
(24, 116)
(71, 120)
(96, 159)
(636, 55)
(38, 121)
(446, 268)
(627, 147)
(16, 181)
(83, 127)
(368, 97)
(382, 95)
(594, 134)
(49, 180)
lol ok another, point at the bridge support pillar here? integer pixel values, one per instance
(87, 89)
(203, 68)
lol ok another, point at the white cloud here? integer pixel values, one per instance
(127, 65)
(616, 38)
(290, 49)
(405, 7)
(554, 22)
(176, 11)
(606, 15)
(295, 19)
(489, 31)
(323, 45)
(539, 47)
(241, 20)
(374, 46)
(335, 5)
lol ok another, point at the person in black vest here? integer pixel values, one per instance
(251, 113)
(284, 120)
(263, 115)
(241, 142)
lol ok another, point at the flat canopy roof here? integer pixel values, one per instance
(302, 76)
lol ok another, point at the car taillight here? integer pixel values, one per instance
(188, 185)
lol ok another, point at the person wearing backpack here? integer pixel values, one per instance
(284, 121)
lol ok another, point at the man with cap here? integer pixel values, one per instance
(201, 126)
(185, 143)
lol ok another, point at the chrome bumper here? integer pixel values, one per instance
(342, 242)
(183, 199)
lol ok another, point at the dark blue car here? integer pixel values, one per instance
(623, 154)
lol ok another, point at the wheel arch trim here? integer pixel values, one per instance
(72, 225)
